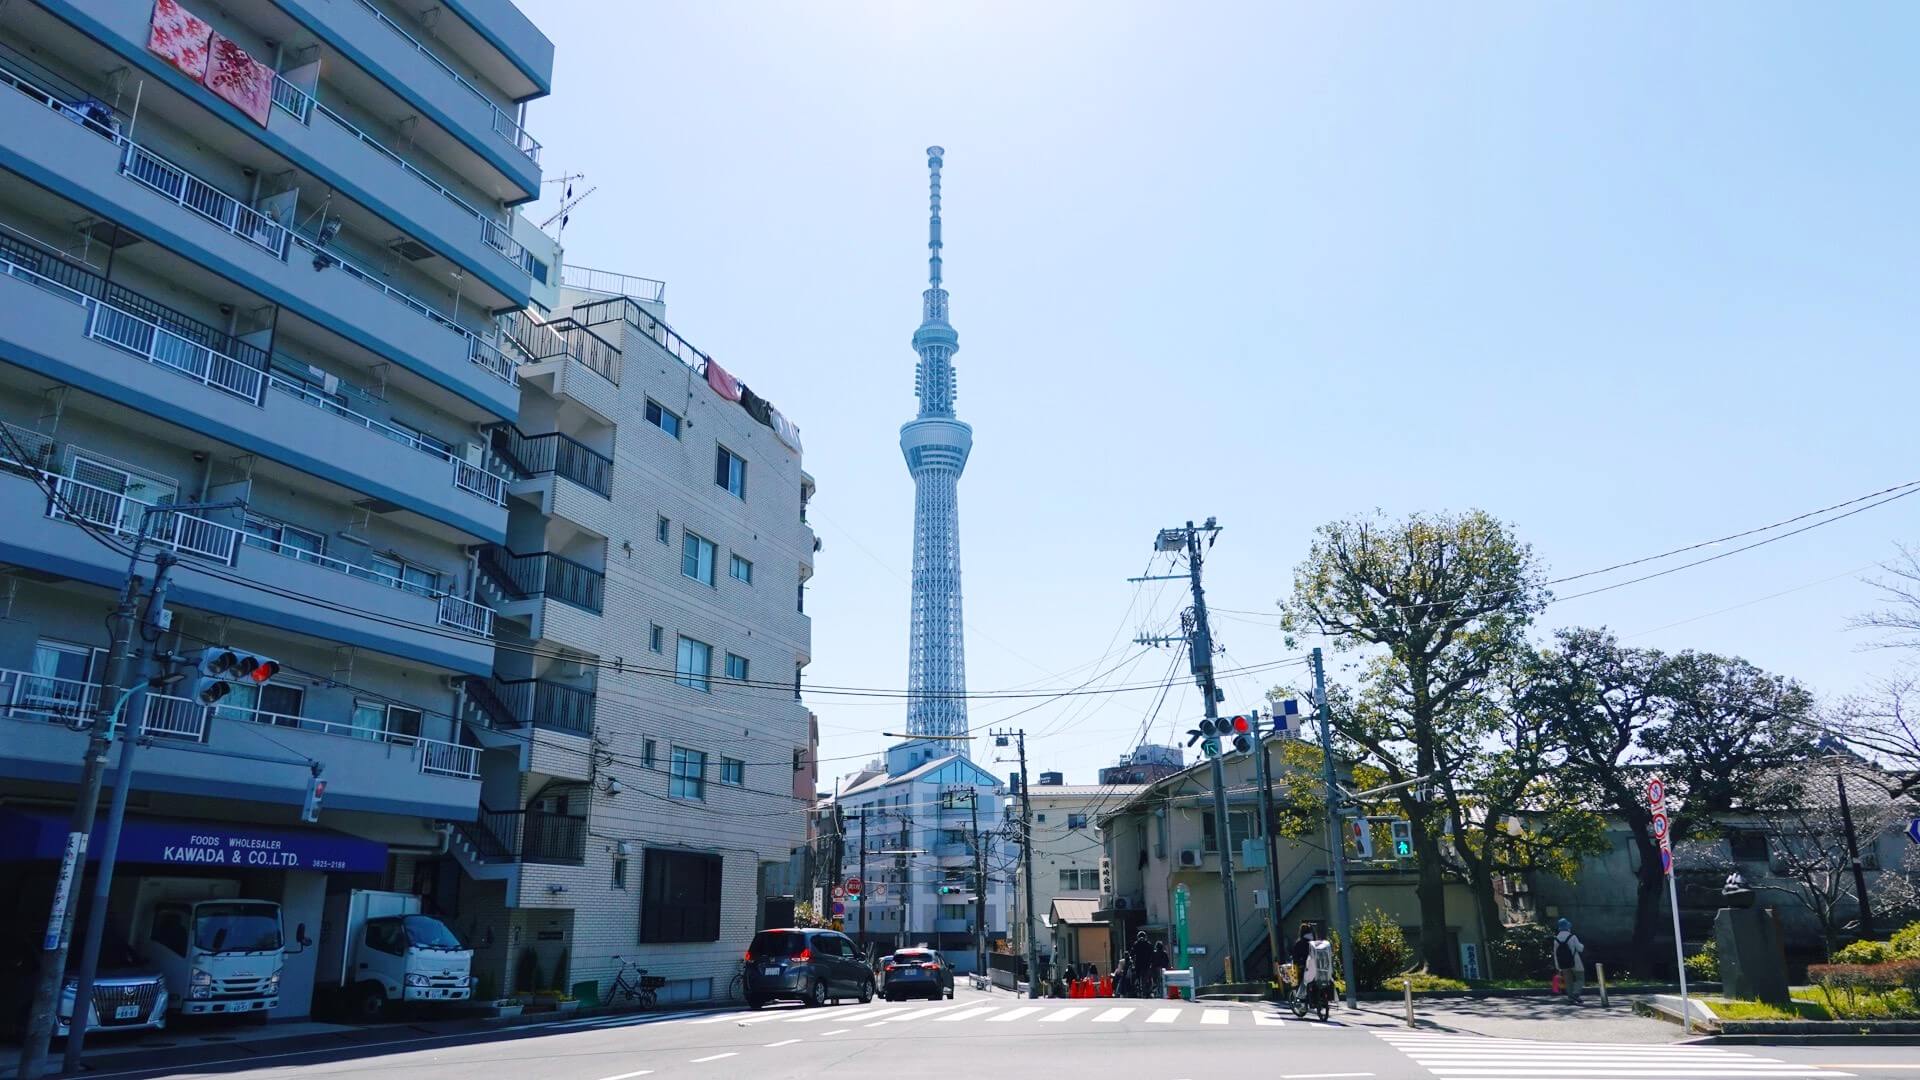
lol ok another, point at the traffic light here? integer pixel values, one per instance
(1242, 733)
(221, 666)
(1403, 839)
(316, 791)
(1361, 830)
(1208, 736)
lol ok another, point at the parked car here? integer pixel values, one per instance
(917, 973)
(810, 966)
(128, 994)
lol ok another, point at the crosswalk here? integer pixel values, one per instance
(881, 1015)
(1473, 1057)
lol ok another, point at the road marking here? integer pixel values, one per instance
(782, 1042)
(717, 1019)
(883, 1012)
(915, 1014)
(835, 1031)
(713, 1057)
(966, 1014)
(1457, 1057)
(1215, 1016)
(1164, 1016)
(1261, 1019)
(1112, 1016)
(761, 1019)
(619, 1021)
(1317, 1076)
(629, 1076)
(1015, 1014)
(808, 1018)
(1058, 1015)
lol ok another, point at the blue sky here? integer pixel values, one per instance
(1626, 276)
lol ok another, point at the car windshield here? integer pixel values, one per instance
(777, 943)
(427, 932)
(237, 927)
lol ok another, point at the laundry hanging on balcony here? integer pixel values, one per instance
(756, 405)
(787, 430)
(180, 37)
(235, 75)
(723, 384)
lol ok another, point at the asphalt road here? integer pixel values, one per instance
(1005, 1038)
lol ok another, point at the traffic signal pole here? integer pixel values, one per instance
(1336, 835)
(1200, 659)
(1265, 778)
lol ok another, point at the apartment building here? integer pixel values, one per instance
(648, 764)
(253, 256)
(1067, 850)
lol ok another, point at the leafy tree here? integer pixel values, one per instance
(1446, 599)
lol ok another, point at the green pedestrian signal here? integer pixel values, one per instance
(1403, 839)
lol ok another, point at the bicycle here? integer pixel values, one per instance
(633, 983)
(737, 987)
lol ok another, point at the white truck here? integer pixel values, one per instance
(377, 950)
(220, 954)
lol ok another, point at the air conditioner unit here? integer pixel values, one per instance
(1122, 903)
(1189, 856)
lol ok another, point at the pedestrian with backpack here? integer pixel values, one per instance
(1569, 962)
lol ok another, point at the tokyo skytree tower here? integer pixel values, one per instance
(936, 446)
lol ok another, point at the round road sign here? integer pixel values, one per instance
(1660, 827)
(1666, 861)
(879, 889)
(1656, 791)
(853, 886)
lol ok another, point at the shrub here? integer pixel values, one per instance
(1525, 952)
(1424, 982)
(1865, 952)
(1380, 949)
(1868, 991)
(1705, 964)
(1906, 942)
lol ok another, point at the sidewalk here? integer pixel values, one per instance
(1542, 1019)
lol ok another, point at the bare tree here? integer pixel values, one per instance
(1884, 722)
(1899, 621)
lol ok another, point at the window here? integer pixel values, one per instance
(274, 703)
(800, 600)
(688, 775)
(1239, 828)
(736, 668)
(740, 569)
(378, 720)
(438, 447)
(953, 836)
(733, 772)
(663, 530)
(1076, 821)
(400, 574)
(680, 898)
(1041, 818)
(657, 638)
(663, 418)
(799, 760)
(953, 911)
(1747, 845)
(170, 928)
(696, 558)
(283, 539)
(694, 664)
(796, 681)
(59, 681)
(646, 754)
(387, 936)
(730, 472)
(619, 873)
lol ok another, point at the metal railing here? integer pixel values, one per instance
(504, 126)
(622, 309)
(154, 343)
(35, 696)
(35, 451)
(470, 478)
(462, 614)
(543, 574)
(489, 358)
(545, 704)
(477, 481)
(452, 611)
(537, 341)
(534, 835)
(150, 169)
(76, 500)
(556, 453)
(587, 279)
(292, 100)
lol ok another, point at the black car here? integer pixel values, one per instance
(811, 966)
(917, 973)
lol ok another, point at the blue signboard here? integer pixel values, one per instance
(26, 835)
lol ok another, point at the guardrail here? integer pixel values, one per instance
(462, 614)
(452, 611)
(502, 125)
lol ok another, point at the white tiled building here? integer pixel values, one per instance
(1066, 848)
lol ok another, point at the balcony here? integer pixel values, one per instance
(542, 575)
(536, 341)
(221, 209)
(367, 768)
(501, 124)
(544, 704)
(554, 454)
(533, 836)
(466, 477)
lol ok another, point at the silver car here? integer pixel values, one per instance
(128, 995)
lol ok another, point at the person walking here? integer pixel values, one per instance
(1569, 961)
(1162, 963)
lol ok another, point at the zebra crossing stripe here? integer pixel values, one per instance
(1261, 1019)
(1454, 1057)
(1112, 1016)
(1164, 1016)
(966, 1014)
(1057, 1015)
(1014, 1014)
(1215, 1016)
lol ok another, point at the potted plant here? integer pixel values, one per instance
(563, 1002)
(506, 1008)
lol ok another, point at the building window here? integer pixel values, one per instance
(663, 530)
(1076, 821)
(274, 703)
(1079, 880)
(1239, 828)
(400, 574)
(696, 558)
(1747, 845)
(657, 638)
(796, 681)
(687, 779)
(740, 569)
(953, 911)
(1041, 818)
(733, 772)
(283, 539)
(694, 664)
(736, 668)
(646, 754)
(799, 760)
(680, 897)
(619, 873)
(730, 472)
(663, 418)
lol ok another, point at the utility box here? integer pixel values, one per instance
(1180, 980)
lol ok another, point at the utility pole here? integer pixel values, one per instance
(979, 887)
(1336, 836)
(868, 949)
(66, 896)
(1026, 856)
(1262, 768)
(1853, 849)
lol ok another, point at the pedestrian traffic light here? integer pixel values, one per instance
(1242, 733)
(221, 666)
(1403, 839)
(1361, 830)
(316, 791)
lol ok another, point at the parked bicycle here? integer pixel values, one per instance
(632, 983)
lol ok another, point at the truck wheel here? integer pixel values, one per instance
(370, 1003)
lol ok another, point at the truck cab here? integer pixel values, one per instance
(378, 949)
(218, 956)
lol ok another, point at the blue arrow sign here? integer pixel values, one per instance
(1913, 830)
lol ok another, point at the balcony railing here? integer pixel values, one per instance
(556, 454)
(502, 124)
(622, 309)
(542, 703)
(536, 341)
(74, 500)
(29, 695)
(141, 164)
(534, 836)
(606, 281)
(470, 478)
(155, 344)
(462, 614)
(543, 574)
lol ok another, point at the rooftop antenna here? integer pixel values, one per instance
(568, 200)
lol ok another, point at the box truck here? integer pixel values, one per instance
(377, 950)
(218, 952)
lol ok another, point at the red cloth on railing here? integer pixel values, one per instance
(723, 384)
(235, 75)
(180, 37)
